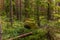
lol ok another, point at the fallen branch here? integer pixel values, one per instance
(21, 36)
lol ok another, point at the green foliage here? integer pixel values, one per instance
(38, 34)
(17, 28)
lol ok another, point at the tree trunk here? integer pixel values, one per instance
(37, 13)
(11, 13)
(26, 6)
(1, 4)
(20, 10)
(49, 10)
(16, 9)
(0, 27)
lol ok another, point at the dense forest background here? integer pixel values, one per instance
(42, 16)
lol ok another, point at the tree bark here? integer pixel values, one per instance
(0, 27)
(49, 10)
(16, 9)
(26, 6)
(11, 13)
(1, 4)
(37, 13)
(20, 10)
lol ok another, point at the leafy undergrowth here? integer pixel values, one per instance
(18, 29)
(9, 31)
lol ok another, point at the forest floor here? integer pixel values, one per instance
(18, 29)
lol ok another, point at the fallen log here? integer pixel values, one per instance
(21, 36)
